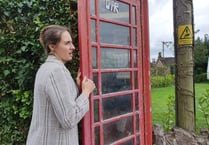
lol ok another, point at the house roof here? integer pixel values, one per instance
(167, 61)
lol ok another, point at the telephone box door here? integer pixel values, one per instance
(112, 52)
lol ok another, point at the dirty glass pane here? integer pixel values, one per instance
(114, 34)
(114, 10)
(94, 58)
(95, 80)
(136, 102)
(96, 133)
(137, 123)
(134, 15)
(93, 30)
(135, 65)
(115, 58)
(137, 140)
(96, 111)
(116, 106)
(134, 37)
(130, 142)
(117, 130)
(115, 82)
(135, 80)
(92, 6)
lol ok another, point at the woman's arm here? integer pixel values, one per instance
(62, 93)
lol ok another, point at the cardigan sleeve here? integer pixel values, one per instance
(61, 90)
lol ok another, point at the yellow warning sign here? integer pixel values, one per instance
(185, 35)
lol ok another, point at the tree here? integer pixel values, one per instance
(201, 51)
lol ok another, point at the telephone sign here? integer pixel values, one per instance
(112, 5)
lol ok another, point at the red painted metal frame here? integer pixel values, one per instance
(143, 72)
(146, 73)
(84, 60)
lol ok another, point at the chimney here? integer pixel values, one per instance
(159, 55)
(153, 61)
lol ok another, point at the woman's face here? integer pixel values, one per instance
(64, 49)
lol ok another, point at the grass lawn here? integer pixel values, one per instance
(159, 101)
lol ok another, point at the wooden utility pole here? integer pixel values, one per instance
(184, 60)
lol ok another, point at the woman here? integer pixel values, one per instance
(57, 106)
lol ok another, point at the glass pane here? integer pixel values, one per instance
(95, 80)
(134, 15)
(93, 30)
(114, 34)
(117, 130)
(115, 58)
(114, 10)
(116, 106)
(130, 142)
(94, 58)
(135, 59)
(137, 140)
(136, 102)
(96, 111)
(92, 5)
(134, 37)
(115, 82)
(137, 123)
(135, 80)
(97, 138)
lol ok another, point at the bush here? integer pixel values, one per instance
(159, 71)
(168, 117)
(201, 78)
(162, 81)
(172, 69)
(21, 55)
(15, 113)
(204, 106)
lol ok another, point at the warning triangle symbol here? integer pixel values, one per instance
(187, 34)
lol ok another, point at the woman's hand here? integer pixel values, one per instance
(87, 86)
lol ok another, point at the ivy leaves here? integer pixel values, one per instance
(21, 54)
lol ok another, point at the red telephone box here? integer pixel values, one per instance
(114, 52)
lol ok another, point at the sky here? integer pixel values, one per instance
(161, 24)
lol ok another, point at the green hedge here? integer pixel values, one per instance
(21, 55)
(162, 81)
(200, 78)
